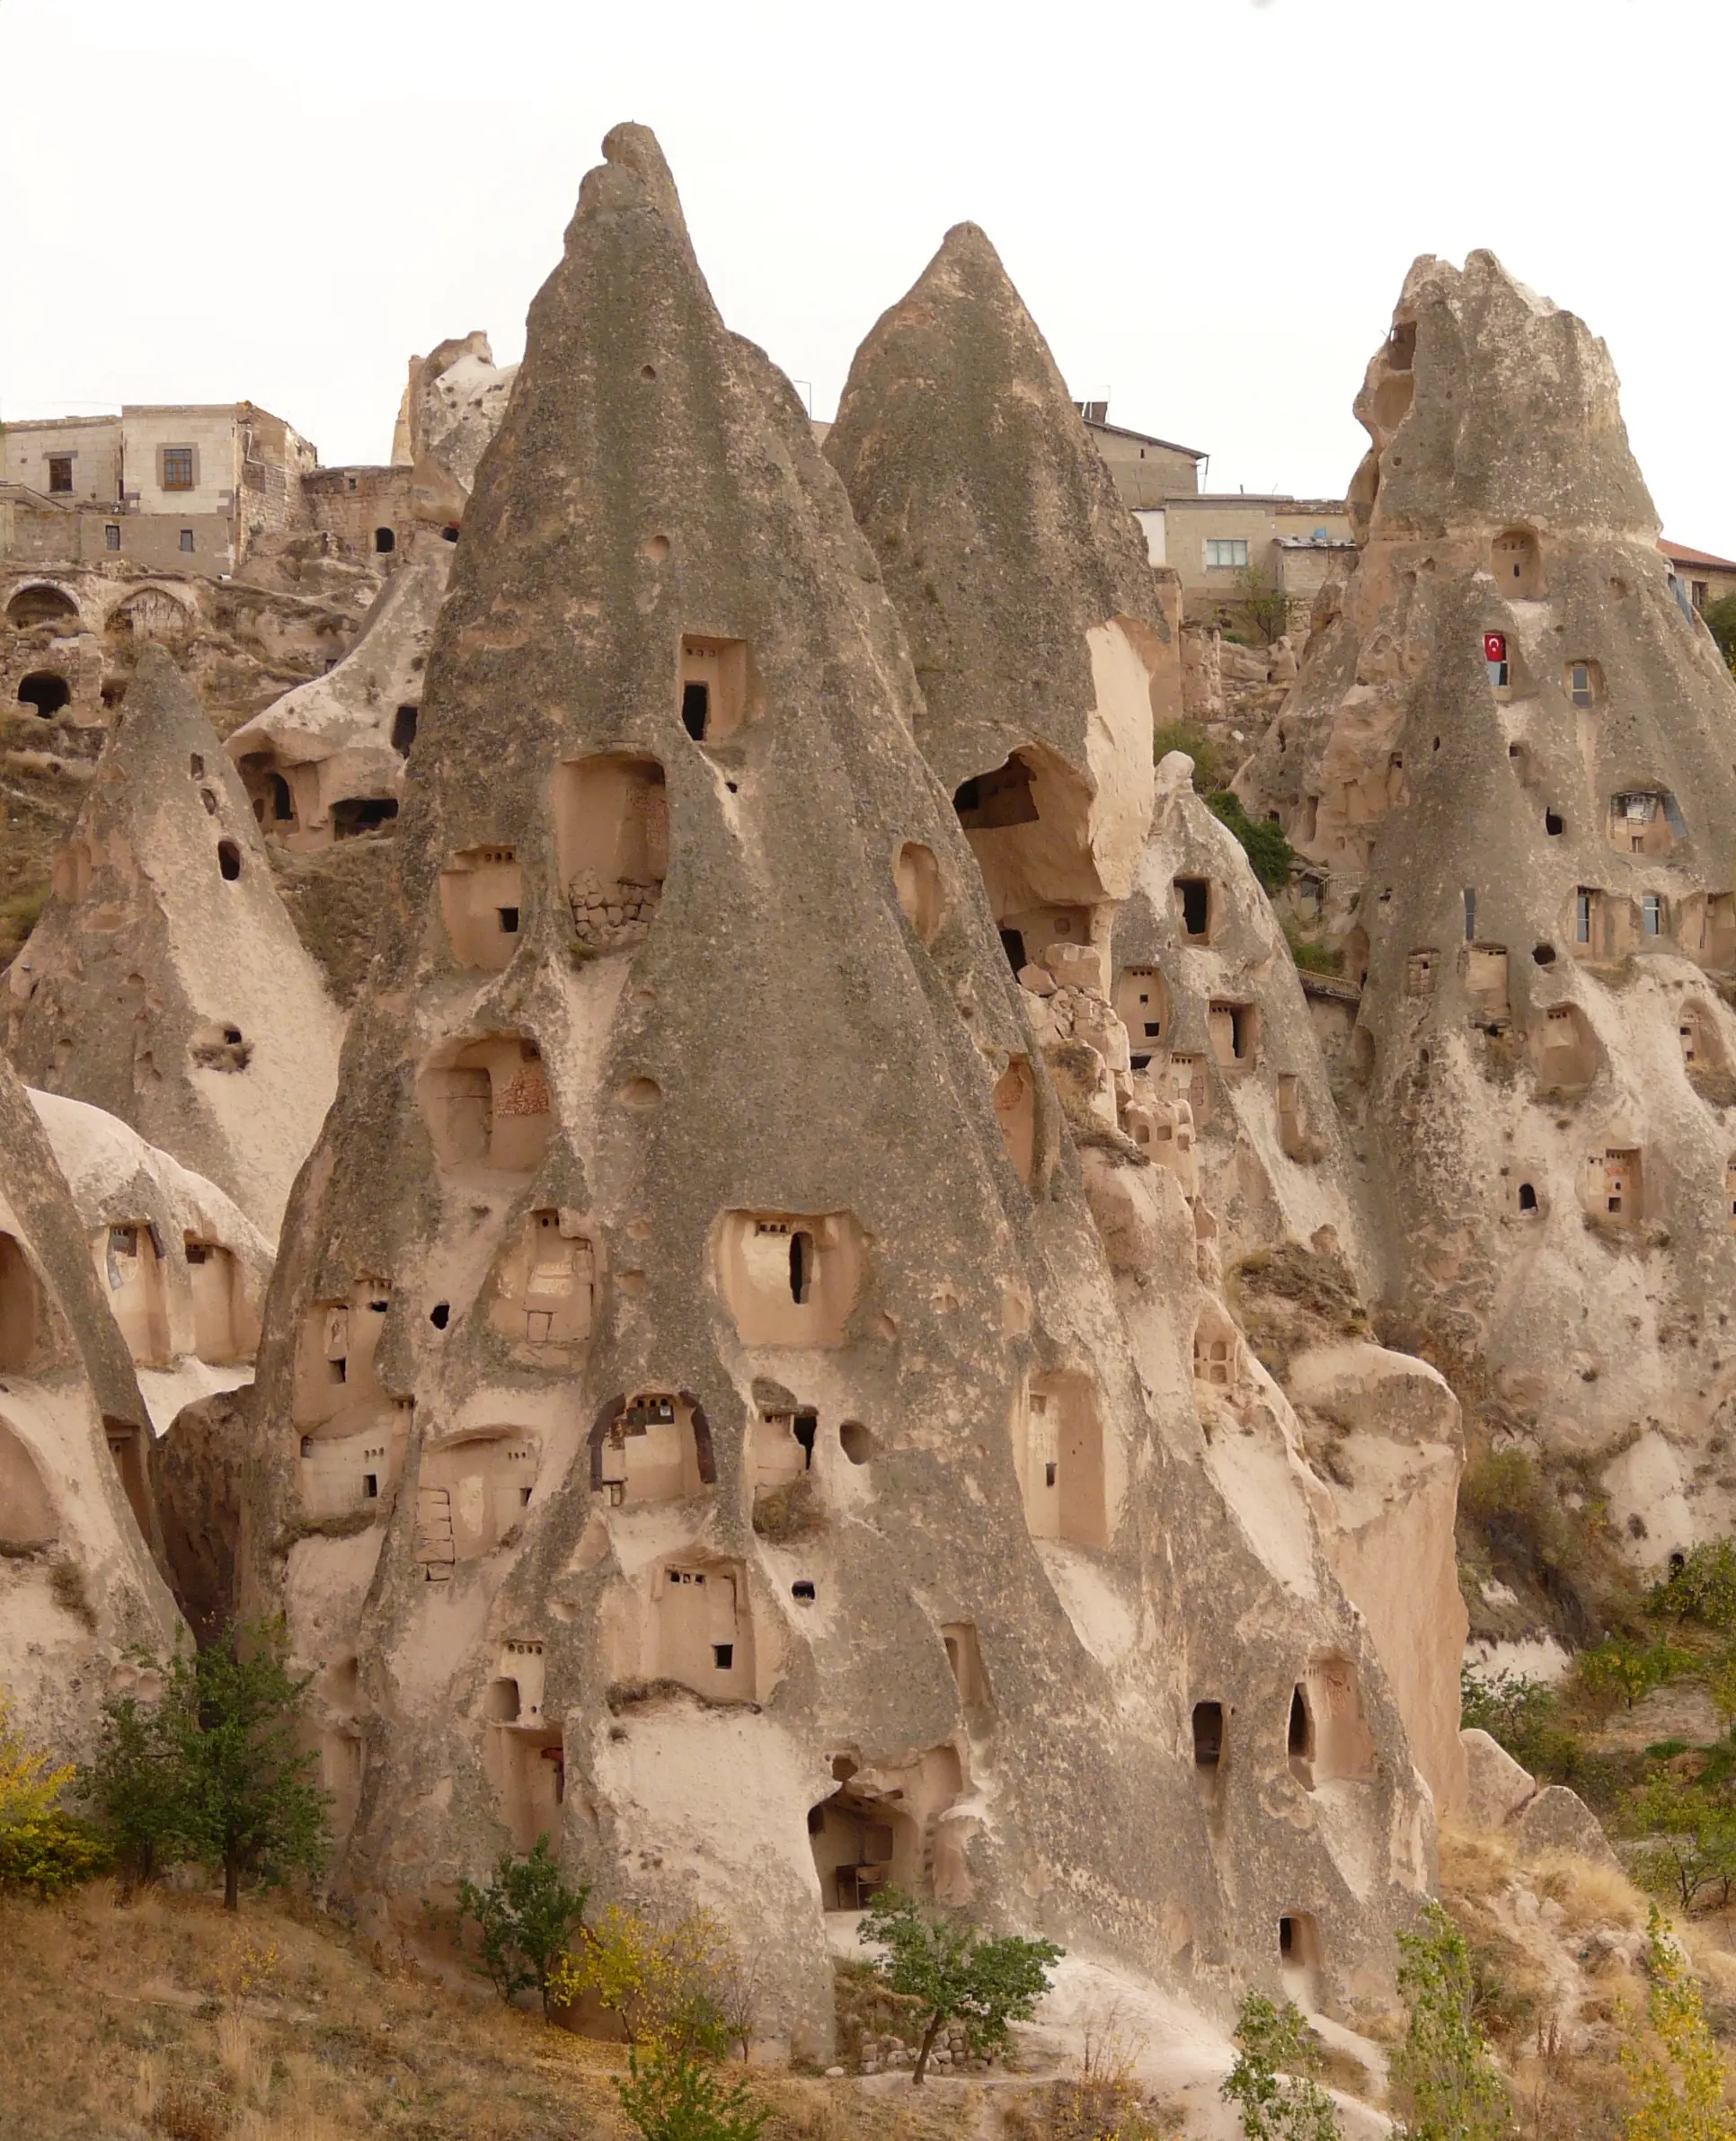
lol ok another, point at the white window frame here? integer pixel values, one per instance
(1231, 563)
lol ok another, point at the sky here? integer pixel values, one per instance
(1208, 205)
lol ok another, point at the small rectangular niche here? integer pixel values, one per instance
(964, 1658)
(21, 1309)
(1187, 1082)
(225, 1328)
(1730, 1195)
(545, 1288)
(1615, 1186)
(1711, 929)
(482, 898)
(790, 1279)
(1567, 1059)
(342, 1474)
(1143, 1007)
(1419, 969)
(704, 1630)
(335, 1356)
(1208, 1735)
(1015, 1101)
(1232, 1030)
(1293, 1138)
(653, 1445)
(1217, 1350)
(612, 844)
(1299, 1959)
(1484, 967)
(783, 1447)
(486, 1105)
(1059, 1457)
(717, 687)
(129, 1262)
(27, 1518)
(1196, 909)
(470, 1493)
(1645, 822)
(127, 1449)
(1328, 1740)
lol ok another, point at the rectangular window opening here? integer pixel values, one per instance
(178, 468)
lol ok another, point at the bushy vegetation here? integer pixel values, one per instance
(43, 1847)
(1309, 956)
(1677, 2080)
(1721, 623)
(940, 1960)
(1272, 2084)
(1444, 2077)
(214, 1770)
(1703, 1590)
(525, 1917)
(1212, 764)
(1269, 854)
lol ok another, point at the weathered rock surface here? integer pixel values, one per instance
(1509, 758)
(78, 1584)
(164, 983)
(697, 1417)
(1558, 1820)
(184, 1269)
(1498, 1788)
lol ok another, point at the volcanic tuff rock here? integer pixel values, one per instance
(698, 1419)
(77, 1581)
(329, 757)
(1021, 580)
(184, 1269)
(1510, 752)
(164, 982)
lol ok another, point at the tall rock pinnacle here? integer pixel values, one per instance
(165, 981)
(702, 1423)
(1511, 756)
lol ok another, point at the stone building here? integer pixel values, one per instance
(709, 1413)
(1147, 471)
(1507, 764)
(1700, 577)
(188, 488)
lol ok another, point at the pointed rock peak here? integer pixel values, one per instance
(1510, 410)
(1023, 580)
(165, 981)
(632, 153)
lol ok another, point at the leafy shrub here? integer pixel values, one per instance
(1677, 2088)
(527, 1916)
(673, 2096)
(1272, 2081)
(1703, 1590)
(1689, 1838)
(1621, 1669)
(1269, 853)
(1212, 764)
(46, 1853)
(1721, 623)
(1309, 956)
(939, 1960)
(666, 1986)
(1442, 2071)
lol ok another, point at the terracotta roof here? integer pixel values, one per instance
(1678, 554)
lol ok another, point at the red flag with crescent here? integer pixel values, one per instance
(1494, 646)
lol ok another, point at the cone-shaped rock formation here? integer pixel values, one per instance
(702, 1419)
(164, 982)
(1023, 587)
(1510, 752)
(77, 1581)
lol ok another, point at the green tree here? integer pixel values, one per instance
(1691, 1838)
(244, 1795)
(1271, 2082)
(1677, 2088)
(1721, 623)
(526, 1916)
(938, 1958)
(1623, 1670)
(134, 1786)
(1704, 1589)
(1269, 853)
(673, 2096)
(1262, 598)
(1445, 2080)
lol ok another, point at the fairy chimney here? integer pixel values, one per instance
(1508, 757)
(164, 982)
(78, 1583)
(700, 1423)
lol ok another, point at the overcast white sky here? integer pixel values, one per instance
(1208, 205)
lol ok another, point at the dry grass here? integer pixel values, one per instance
(166, 2022)
(1590, 1895)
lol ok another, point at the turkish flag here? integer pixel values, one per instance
(1494, 646)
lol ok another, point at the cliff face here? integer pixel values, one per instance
(164, 983)
(1510, 755)
(78, 1585)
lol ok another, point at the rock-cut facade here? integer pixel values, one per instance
(700, 1418)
